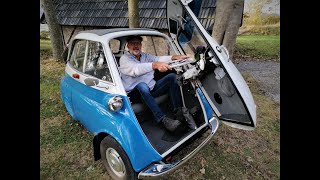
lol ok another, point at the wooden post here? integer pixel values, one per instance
(133, 14)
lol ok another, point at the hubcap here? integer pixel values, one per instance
(115, 162)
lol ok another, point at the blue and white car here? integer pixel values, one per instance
(127, 141)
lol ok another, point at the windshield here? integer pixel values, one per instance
(190, 38)
(156, 45)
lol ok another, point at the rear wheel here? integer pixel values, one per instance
(116, 160)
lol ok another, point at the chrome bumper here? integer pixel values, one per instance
(156, 171)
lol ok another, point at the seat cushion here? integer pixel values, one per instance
(140, 107)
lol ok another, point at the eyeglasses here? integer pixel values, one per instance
(135, 42)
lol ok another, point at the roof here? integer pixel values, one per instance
(101, 32)
(114, 13)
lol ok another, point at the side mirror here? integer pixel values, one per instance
(91, 82)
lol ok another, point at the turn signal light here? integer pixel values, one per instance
(76, 76)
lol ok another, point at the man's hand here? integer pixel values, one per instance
(179, 57)
(161, 66)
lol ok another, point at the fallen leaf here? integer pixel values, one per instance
(203, 171)
(249, 159)
(90, 168)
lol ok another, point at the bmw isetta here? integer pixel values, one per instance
(125, 138)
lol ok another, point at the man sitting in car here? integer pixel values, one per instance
(137, 73)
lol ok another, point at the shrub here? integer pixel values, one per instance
(44, 35)
(273, 29)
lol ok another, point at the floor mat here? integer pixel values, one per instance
(176, 135)
(160, 138)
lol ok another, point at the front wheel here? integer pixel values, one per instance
(116, 160)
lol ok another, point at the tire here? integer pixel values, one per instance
(116, 160)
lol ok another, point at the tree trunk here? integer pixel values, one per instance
(227, 22)
(133, 14)
(54, 29)
(232, 30)
(223, 12)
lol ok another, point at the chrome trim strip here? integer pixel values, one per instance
(160, 169)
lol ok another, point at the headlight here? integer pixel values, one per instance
(115, 103)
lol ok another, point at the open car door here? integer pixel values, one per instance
(219, 80)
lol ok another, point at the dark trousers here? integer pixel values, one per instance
(167, 84)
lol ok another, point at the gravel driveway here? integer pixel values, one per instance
(266, 73)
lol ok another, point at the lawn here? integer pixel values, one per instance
(45, 45)
(258, 47)
(66, 147)
(45, 49)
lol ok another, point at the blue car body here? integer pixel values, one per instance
(91, 111)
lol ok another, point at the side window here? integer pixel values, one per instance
(78, 53)
(115, 46)
(96, 64)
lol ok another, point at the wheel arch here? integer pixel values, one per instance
(132, 142)
(96, 144)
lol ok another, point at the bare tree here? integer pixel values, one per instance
(54, 29)
(133, 13)
(228, 20)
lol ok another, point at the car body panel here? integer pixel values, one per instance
(66, 92)
(93, 113)
(206, 105)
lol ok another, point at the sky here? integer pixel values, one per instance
(272, 8)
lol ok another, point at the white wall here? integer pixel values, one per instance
(44, 27)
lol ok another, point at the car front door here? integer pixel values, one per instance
(92, 81)
(220, 82)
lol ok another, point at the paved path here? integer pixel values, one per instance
(267, 73)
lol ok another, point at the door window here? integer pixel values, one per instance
(96, 63)
(78, 53)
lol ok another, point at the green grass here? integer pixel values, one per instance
(45, 45)
(66, 147)
(44, 35)
(45, 49)
(258, 46)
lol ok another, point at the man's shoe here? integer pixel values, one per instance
(170, 124)
(179, 115)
